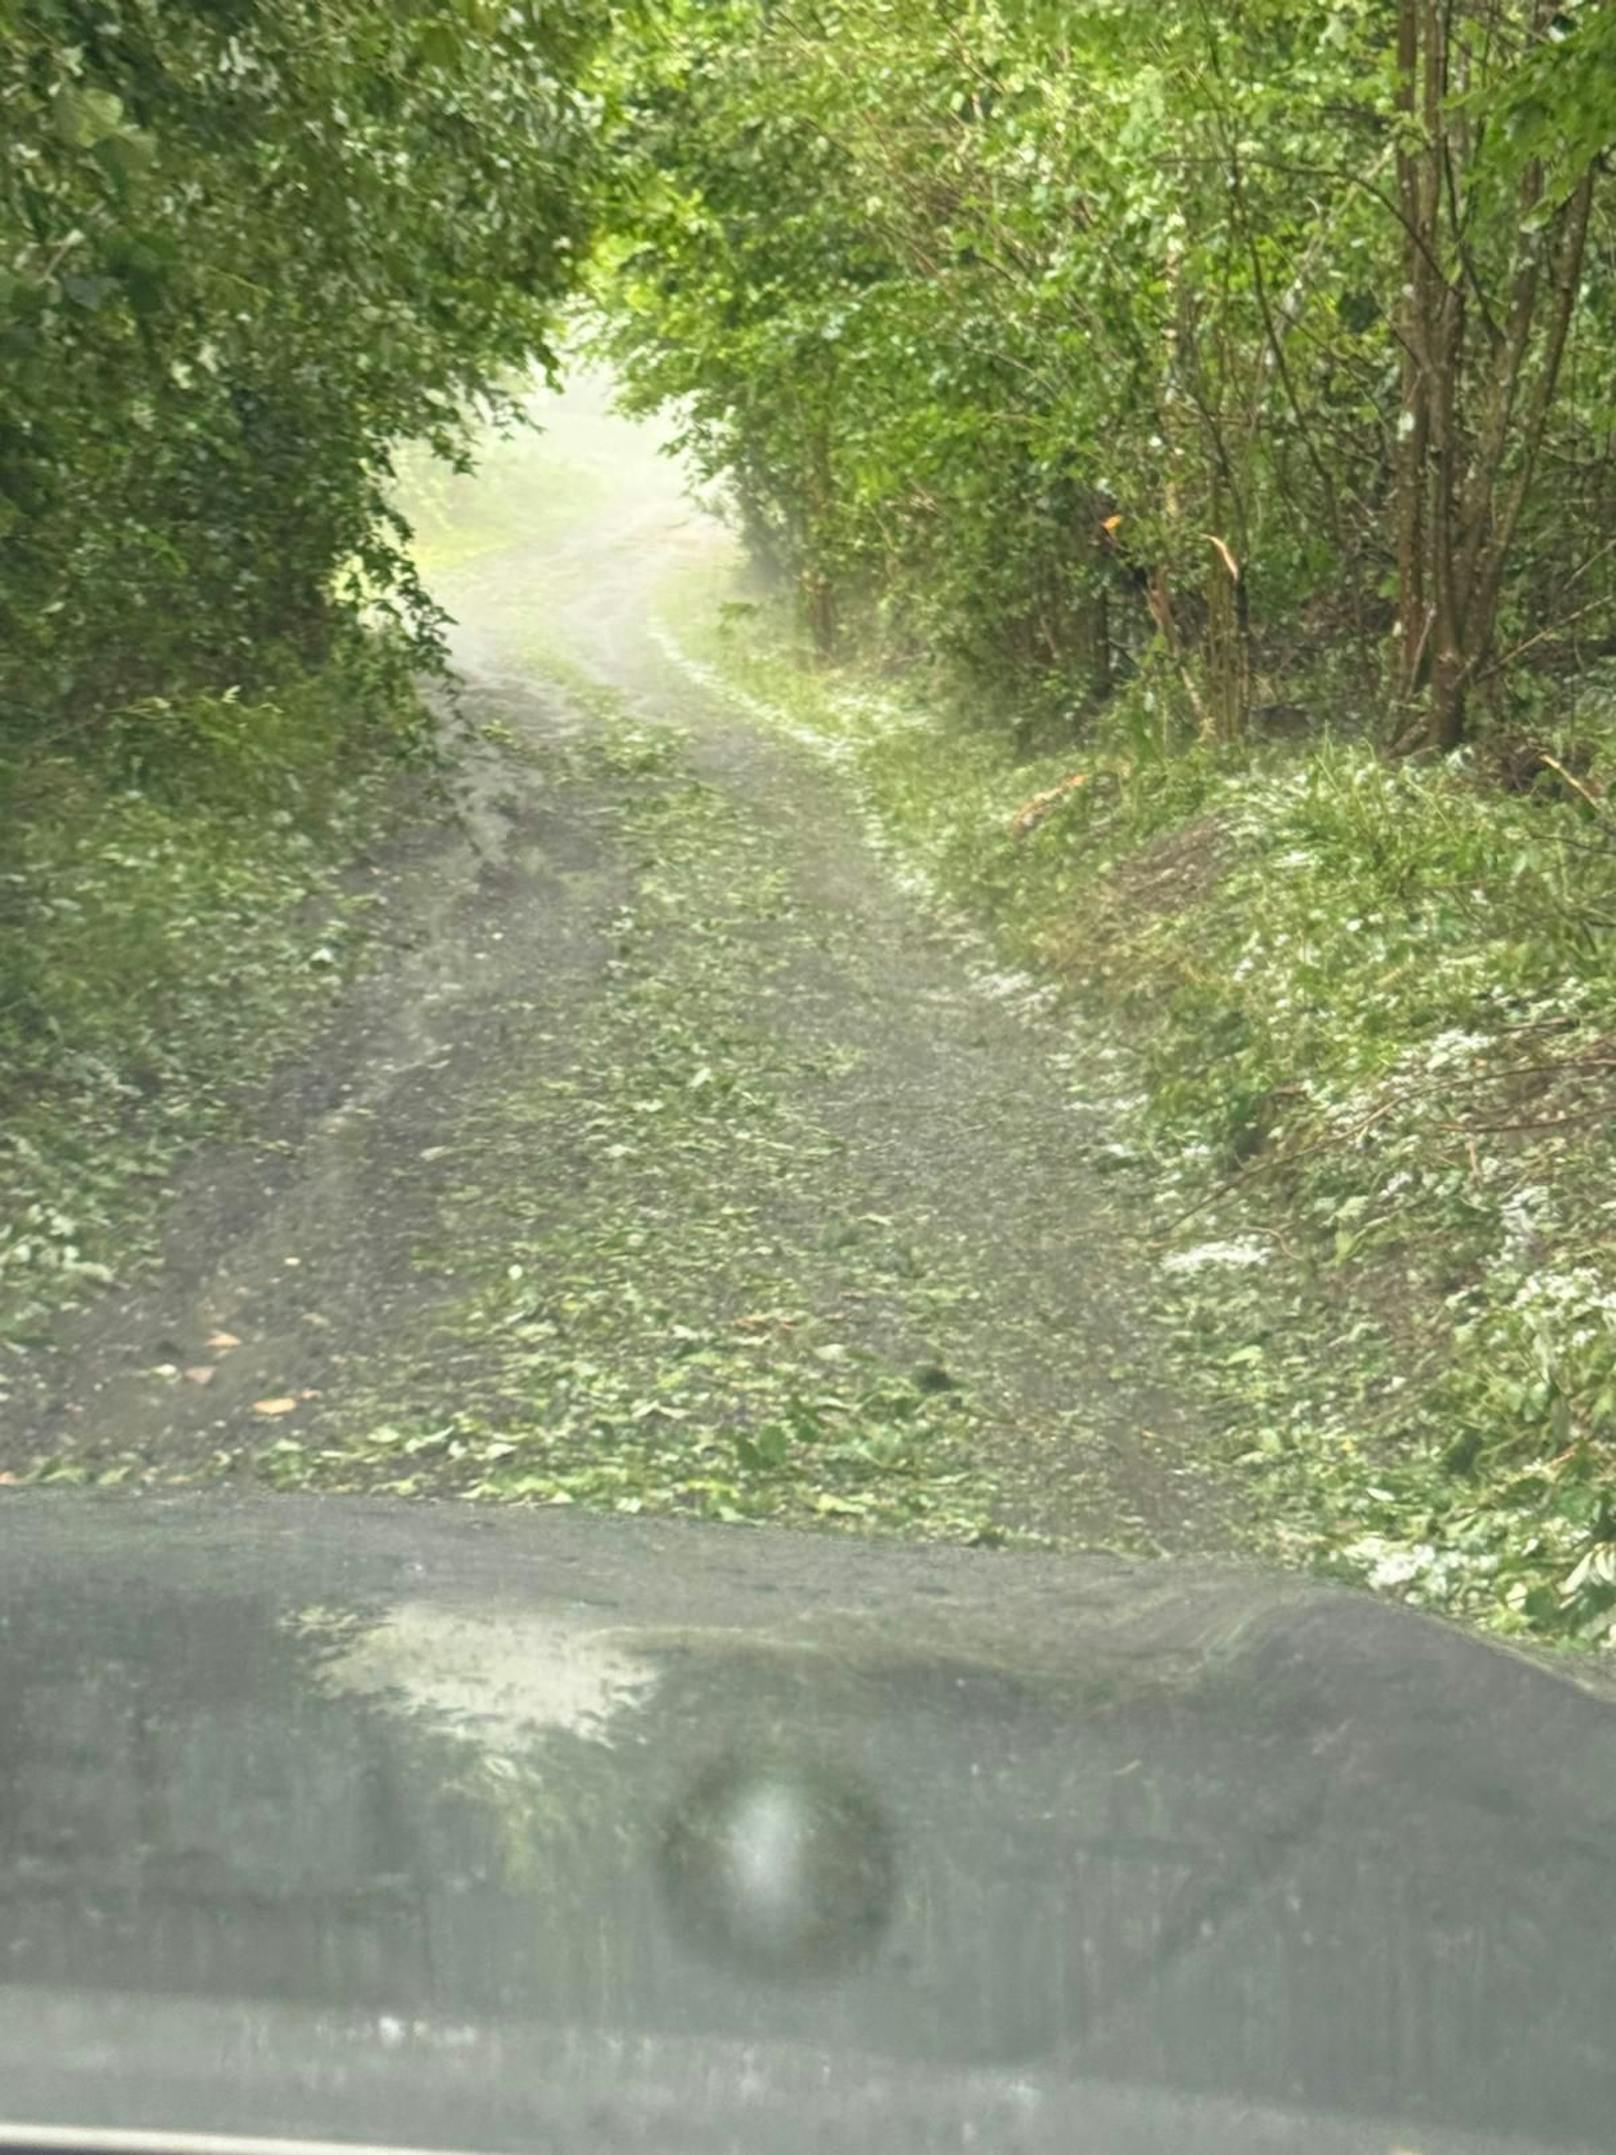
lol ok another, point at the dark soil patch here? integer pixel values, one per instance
(1163, 880)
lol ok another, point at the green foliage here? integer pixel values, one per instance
(1052, 337)
(244, 250)
(169, 915)
(1159, 368)
(1558, 106)
(1365, 1109)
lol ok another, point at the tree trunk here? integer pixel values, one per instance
(1412, 427)
(1466, 457)
(818, 585)
(1101, 679)
(1228, 646)
(819, 610)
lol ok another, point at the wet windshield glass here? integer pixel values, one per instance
(805, 1091)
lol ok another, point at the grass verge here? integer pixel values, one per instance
(173, 914)
(1366, 1110)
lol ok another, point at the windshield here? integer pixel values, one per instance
(805, 1075)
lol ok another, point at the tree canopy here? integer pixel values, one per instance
(1091, 336)
(1070, 339)
(245, 247)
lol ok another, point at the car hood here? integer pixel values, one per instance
(444, 1828)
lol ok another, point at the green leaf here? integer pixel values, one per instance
(83, 117)
(129, 151)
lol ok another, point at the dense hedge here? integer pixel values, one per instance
(245, 246)
(1072, 337)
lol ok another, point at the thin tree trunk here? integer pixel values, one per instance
(1101, 678)
(1482, 624)
(818, 586)
(1413, 419)
(1228, 644)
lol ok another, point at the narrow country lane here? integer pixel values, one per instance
(670, 1158)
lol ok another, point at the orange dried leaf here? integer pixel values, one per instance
(1032, 813)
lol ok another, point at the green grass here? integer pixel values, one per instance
(171, 913)
(1362, 1031)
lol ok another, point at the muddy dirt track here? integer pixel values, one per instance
(670, 1156)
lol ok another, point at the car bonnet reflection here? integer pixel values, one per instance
(493, 1816)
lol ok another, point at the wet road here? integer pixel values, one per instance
(672, 1156)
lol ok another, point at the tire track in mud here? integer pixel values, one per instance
(662, 1078)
